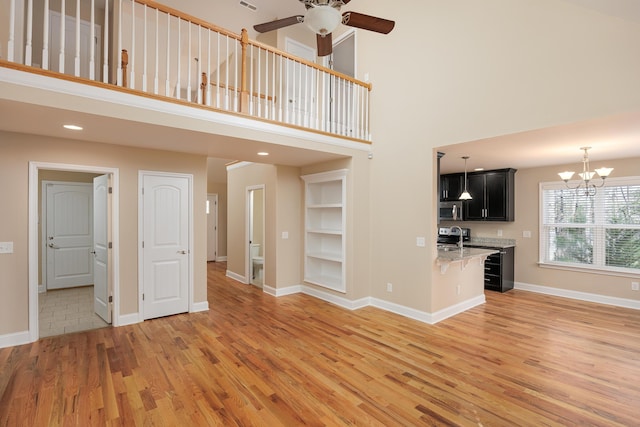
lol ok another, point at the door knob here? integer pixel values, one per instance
(182, 252)
(92, 252)
(51, 245)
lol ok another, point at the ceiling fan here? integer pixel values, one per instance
(323, 16)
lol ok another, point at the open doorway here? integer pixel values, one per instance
(73, 230)
(255, 228)
(212, 227)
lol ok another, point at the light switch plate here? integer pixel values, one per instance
(420, 242)
(526, 234)
(285, 235)
(6, 247)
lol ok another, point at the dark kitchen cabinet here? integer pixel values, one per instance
(492, 195)
(451, 186)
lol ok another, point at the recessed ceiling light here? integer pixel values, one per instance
(72, 127)
(478, 169)
(263, 153)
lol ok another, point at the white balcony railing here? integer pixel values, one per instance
(147, 47)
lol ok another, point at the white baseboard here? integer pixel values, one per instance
(18, 338)
(235, 276)
(200, 306)
(221, 259)
(392, 307)
(582, 296)
(335, 299)
(439, 316)
(281, 292)
(128, 319)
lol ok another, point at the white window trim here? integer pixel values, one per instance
(599, 252)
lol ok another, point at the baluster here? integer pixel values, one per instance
(123, 65)
(308, 100)
(157, 58)
(280, 97)
(235, 78)
(132, 80)
(92, 49)
(226, 86)
(218, 71)
(12, 30)
(167, 81)
(265, 100)
(273, 86)
(119, 71)
(179, 56)
(63, 22)
(76, 58)
(29, 44)
(189, 61)
(299, 107)
(259, 77)
(208, 97)
(105, 40)
(45, 37)
(251, 89)
(144, 49)
(199, 71)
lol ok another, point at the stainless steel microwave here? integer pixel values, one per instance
(451, 211)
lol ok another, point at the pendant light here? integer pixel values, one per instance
(465, 194)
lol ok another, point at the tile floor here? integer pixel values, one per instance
(67, 310)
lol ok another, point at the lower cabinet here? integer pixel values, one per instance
(499, 269)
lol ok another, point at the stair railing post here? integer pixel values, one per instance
(244, 92)
(123, 65)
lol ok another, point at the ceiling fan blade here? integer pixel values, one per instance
(325, 44)
(367, 22)
(278, 23)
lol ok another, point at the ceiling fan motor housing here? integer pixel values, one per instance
(323, 19)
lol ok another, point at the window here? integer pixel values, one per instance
(598, 232)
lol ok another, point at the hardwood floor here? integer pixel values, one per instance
(519, 360)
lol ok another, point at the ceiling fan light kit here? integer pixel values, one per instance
(322, 20)
(323, 17)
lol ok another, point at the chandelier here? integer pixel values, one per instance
(586, 185)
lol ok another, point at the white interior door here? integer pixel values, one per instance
(300, 84)
(84, 60)
(166, 217)
(212, 227)
(101, 293)
(69, 231)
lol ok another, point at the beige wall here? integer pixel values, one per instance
(18, 149)
(220, 188)
(289, 213)
(467, 70)
(238, 179)
(527, 249)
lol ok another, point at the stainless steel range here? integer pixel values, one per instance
(451, 235)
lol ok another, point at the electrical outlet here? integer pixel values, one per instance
(635, 286)
(389, 287)
(285, 235)
(499, 233)
(6, 247)
(458, 289)
(526, 234)
(421, 242)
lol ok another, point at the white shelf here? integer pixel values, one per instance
(325, 219)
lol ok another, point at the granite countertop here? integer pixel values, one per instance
(446, 255)
(491, 242)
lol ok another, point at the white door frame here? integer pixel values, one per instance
(213, 208)
(247, 234)
(33, 263)
(189, 177)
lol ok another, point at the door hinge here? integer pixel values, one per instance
(142, 297)
(143, 244)
(143, 191)
(110, 298)
(110, 190)
(110, 245)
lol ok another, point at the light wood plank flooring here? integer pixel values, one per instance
(519, 360)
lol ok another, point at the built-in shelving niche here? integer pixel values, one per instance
(325, 223)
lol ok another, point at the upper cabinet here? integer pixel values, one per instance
(493, 195)
(451, 186)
